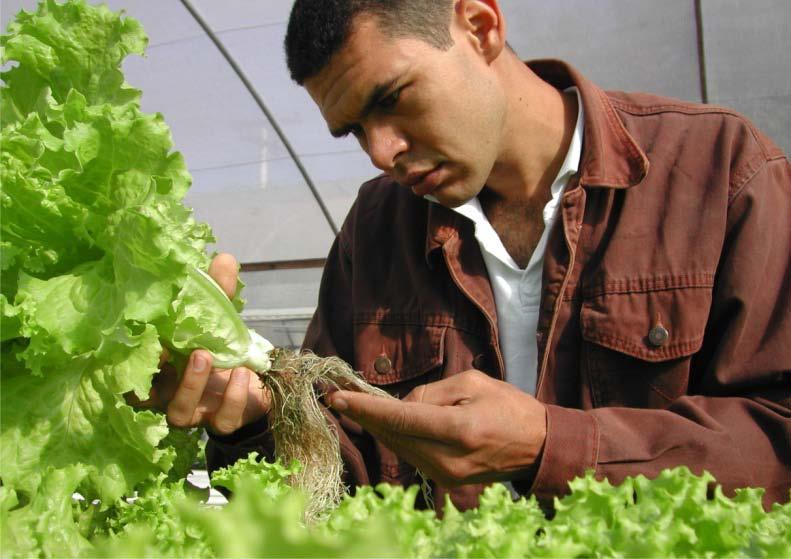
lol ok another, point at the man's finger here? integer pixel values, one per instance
(229, 415)
(450, 391)
(188, 394)
(385, 415)
(218, 381)
(225, 270)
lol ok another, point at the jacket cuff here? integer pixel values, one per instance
(571, 448)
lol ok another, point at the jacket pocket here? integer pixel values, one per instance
(397, 357)
(638, 342)
(390, 354)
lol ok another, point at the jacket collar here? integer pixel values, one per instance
(443, 223)
(611, 157)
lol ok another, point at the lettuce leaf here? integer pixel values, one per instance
(46, 525)
(96, 244)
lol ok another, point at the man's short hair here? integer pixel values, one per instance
(317, 29)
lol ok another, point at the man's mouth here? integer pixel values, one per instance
(424, 182)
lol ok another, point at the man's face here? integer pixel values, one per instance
(431, 119)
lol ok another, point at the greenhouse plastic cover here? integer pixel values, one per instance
(248, 186)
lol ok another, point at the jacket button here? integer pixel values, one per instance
(382, 365)
(658, 335)
(479, 362)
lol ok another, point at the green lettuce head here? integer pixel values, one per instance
(99, 260)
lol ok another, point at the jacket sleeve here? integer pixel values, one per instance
(329, 333)
(736, 420)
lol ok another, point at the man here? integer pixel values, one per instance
(551, 277)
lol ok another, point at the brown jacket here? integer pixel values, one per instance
(665, 329)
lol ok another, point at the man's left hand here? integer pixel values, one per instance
(469, 428)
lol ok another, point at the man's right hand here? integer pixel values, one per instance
(221, 400)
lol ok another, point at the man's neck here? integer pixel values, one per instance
(538, 130)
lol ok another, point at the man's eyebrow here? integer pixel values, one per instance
(377, 94)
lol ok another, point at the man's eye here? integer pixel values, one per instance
(391, 100)
(355, 130)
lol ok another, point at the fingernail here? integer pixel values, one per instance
(339, 403)
(199, 363)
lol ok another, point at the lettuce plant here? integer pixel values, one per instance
(98, 261)
(670, 516)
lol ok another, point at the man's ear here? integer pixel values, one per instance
(484, 24)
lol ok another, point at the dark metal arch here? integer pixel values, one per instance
(260, 102)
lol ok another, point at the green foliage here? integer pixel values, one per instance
(263, 519)
(45, 526)
(670, 516)
(99, 258)
(156, 513)
(95, 245)
(271, 478)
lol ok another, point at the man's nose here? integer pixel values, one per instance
(385, 144)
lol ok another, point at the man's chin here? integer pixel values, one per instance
(453, 203)
(451, 196)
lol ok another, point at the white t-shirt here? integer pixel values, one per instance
(517, 291)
